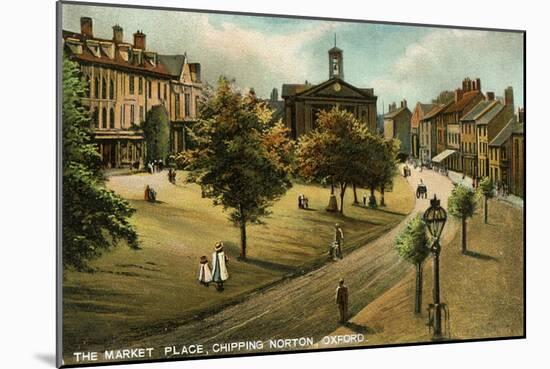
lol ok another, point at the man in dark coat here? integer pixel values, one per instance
(342, 301)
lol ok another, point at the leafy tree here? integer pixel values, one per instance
(389, 167)
(462, 204)
(156, 130)
(94, 218)
(487, 189)
(412, 246)
(337, 151)
(241, 159)
(380, 166)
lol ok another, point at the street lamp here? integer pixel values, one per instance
(435, 218)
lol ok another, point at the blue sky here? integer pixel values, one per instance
(399, 62)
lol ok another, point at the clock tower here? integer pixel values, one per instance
(336, 62)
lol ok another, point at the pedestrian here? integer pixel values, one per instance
(147, 192)
(219, 266)
(338, 239)
(342, 301)
(364, 199)
(305, 202)
(300, 201)
(205, 276)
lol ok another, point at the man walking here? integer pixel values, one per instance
(342, 301)
(338, 239)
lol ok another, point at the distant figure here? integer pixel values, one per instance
(205, 276)
(300, 203)
(364, 199)
(219, 268)
(172, 175)
(150, 194)
(338, 239)
(342, 301)
(305, 202)
(146, 194)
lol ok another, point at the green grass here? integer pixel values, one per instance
(135, 293)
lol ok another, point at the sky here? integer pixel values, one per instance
(399, 62)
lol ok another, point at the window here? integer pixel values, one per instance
(112, 118)
(95, 118)
(187, 102)
(165, 91)
(131, 85)
(132, 111)
(122, 117)
(88, 86)
(96, 88)
(149, 89)
(111, 89)
(141, 114)
(158, 90)
(140, 85)
(103, 88)
(104, 118)
(177, 105)
(197, 102)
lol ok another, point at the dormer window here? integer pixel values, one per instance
(74, 45)
(108, 49)
(93, 46)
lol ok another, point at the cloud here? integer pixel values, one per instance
(441, 59)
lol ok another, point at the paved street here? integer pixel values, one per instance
(304, 306)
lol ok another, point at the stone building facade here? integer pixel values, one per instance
(303, 102)
(397, 125)
(125, 80)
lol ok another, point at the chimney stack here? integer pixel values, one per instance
(459, 93)
(478, 84)
(139, 40)
(490, 96)
(509, 96)
(118, 36)
(86, 27)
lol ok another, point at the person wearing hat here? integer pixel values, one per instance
(219, 266)
(205, 276)
(342, 300)
(338, 239)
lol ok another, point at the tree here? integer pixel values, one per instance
(337, 151)
(156, 130)
(389, 167)
(412, 246)
(94, 218)
(242, 157)
(462, 204)
(380, 166)
(487, 189)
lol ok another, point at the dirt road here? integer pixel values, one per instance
(304, 306)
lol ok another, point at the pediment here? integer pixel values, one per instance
(334, 88)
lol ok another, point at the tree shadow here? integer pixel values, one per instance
(480, 256)
(269, 265)
(357, 328)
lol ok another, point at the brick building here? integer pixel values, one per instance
(420, 110)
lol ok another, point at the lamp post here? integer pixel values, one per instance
(435, 218)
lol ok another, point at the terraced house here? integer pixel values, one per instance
(125, 80)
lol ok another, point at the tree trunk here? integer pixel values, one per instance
(418, 295)
(342, 192)
(355, 201)
(332, 187)
(242, 226)
(372, 199)
(464, 248)
(382, 203)
(485, 210)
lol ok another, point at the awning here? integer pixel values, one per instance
(442, 156)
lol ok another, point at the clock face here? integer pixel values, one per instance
(337, 87)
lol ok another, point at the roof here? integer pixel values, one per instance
(86, 56)
(518, 129)
(435, 111)
(395, 113)
(505, 134)
(426, 108)
(335, 49)
(490, 114)
(460, 105)
(293, 89)
(477, 110)
(173, 63)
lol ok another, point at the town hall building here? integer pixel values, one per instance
(303, 102)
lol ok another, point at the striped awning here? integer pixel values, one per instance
(442, 156)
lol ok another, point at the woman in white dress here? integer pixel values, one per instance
(205, 276)
(219, 268)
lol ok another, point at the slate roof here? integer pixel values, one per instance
(435, 111)
(505, 134)
(490, 114)
(395, 113)
(477, 110)
(173, 63)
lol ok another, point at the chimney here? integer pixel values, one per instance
(521, 115)
(389, 108)
(509, 96)
(139, 40)
(404, 103)
(490, 96)
(86, 27)
(458, 94)
(478, 84)
(117, 34)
